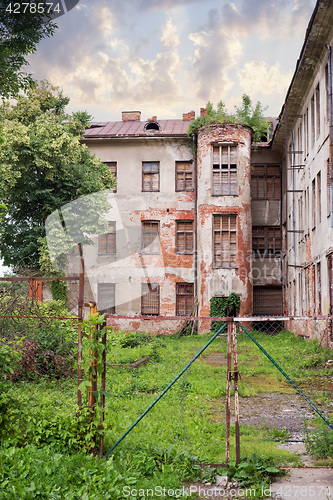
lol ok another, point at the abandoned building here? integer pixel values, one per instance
(216, 213)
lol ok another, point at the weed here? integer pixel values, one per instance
(319, 442)
(280, 435)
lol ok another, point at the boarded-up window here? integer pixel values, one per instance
(107, 241)
(150, 299)
(267, 301)
(184, 299)
(150, 176)
(266, 241)
(184, 236)
(266, 182)
(224, 170)
(150, 237)
(106, 298)
(113, 169)
(184, 176)
(225, 240)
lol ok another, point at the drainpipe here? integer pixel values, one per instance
(330, 105)
(195, 243)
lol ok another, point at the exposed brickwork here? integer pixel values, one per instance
(203, 112)
(189, 116)
(131, 115)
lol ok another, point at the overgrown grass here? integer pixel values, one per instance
(186, 427)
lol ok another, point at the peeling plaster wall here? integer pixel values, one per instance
(213, 281)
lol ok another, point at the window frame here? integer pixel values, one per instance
(144, 223)
(111, 164)
(184, 232)
(225, 168)
(151, 176)
(188, 306)
(110, 238)
(224, 264)
(265, 176)
(184, 172)
(267, 251)
(152, 287)
(109, 310)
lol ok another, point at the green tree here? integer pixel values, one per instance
(245, 114)
(44, 166)
(20, 33)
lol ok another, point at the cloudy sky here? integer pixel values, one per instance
(166, 57)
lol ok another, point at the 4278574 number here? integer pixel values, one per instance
(34, 8)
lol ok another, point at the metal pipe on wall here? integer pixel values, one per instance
(330, 112)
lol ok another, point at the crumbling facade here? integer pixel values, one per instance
(216, 214)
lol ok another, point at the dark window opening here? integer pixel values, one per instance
(152, 126)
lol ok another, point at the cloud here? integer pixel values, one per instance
(282, 19)
(257, 78)
(169, 35)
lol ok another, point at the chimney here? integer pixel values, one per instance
(152, 119)
(187, 117)
(130, 115)
(203, 112)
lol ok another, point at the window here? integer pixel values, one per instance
(225, 240)
(152, 126)
(329, 181)
(313, 203)
(150, 176)
(113, 169)
(106, 298)
(150, 299)
(184, 176)
(266, 241)
(184, 299)
(319, 197)
(318, 287)
(317, 111)
(184, 236)
(306, 132)
(150, 237)
(266, 182)
(107, 241)
(224, 170)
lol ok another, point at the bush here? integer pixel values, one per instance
(319, 443)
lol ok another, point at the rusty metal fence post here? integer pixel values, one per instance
(232, 375)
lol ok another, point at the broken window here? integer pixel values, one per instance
(266, 182)
(150, 176)
(150, 299)
(225, 240)
(106, 298)
(184, 299)
(266, 241)
(150, 237)
(113, 169)
(184, 236)
(225, 170)
(107, 241)
(184, 176)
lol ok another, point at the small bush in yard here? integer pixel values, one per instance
(319, 443)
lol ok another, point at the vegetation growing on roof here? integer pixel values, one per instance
(246, 114)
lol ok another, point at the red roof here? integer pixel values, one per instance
(136, 128)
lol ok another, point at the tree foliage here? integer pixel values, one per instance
(20, 33)
(43, 166)
(246, 114)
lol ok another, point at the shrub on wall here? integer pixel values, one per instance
(224, 307)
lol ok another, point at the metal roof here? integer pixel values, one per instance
(136, 128)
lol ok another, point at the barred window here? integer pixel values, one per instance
(266, 182)
(266, 241)
(184, 299)
(150, 237)
(150, 299)
(113, 169)
(184, 236)
(225, 240)
(225, 170)
(150, 176)
(107, 241)
(106, 298)
(184, 176)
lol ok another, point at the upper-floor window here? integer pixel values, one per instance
(150, 176)
(113, 169)
(225, 170)
(266, 241)
(266, 182)
(150, 237)
(107, 241)
(184, 176)
(184, 236)
(225, 240)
